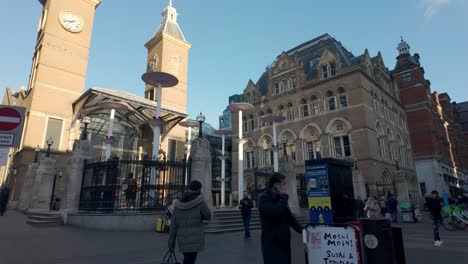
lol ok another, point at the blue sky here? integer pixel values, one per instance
(234, 41)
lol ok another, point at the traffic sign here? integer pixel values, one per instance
(11, 125)
(10, 119)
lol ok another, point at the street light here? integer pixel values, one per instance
(201, 119)
(36, 155)
(86, 121)
(49, 143)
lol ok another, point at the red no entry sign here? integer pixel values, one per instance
(10, 119)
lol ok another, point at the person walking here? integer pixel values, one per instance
(246, 206)
(372, 208)
(187, 223)
(276, 219)
(4, 194)
(392, 206)
(435, 205)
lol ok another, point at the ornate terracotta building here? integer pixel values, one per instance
(336, 105)
(436, 135)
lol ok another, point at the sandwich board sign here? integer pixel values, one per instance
(331, 245)
(11, 125)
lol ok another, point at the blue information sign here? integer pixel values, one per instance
(318, 193)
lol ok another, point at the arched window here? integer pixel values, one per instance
(290, 112)
(341, 145)
(380, 140)
(252, 122)
(342, 98)
(311, 145)
(391, 146)
(304, 108)
(288, 145)
(331, 101)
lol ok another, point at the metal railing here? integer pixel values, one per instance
(140, 185)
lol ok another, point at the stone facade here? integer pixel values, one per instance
(336, 105)
(436, 135)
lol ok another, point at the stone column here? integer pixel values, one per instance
(401, 186)
(43, 185)
(27, 191)
(358, 185)
(75, 168)
(201, 167)
(286, 167)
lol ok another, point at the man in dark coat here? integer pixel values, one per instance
(435, 207)
(187, 223)
(4, 194)
(246, 206)
(276, 218)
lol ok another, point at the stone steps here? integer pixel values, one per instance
(44, 219)
(230, 220)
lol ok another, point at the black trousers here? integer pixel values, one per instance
(190, 257)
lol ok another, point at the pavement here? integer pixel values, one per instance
(21, 243)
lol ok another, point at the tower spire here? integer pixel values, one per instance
(169, 23)
(170, 2)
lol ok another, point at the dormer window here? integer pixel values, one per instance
(324, 71)
(332, 69)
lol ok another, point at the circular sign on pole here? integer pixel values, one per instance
(10, 119)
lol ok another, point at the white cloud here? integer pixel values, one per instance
(431, 7)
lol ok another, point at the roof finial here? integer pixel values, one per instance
(400, 36)
(170, 2)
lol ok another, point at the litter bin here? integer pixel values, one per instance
(377, 241)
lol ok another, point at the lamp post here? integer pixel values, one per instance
(112, 106)
(36, 154)
(49, 143)
(240, 107)
(189, 125)
(274, 119)
(200, 119)
(159, 80)
(223, 133)
(86, 121)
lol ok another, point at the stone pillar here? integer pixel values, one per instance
(43, 182)
(358, 185)
(75, 168)
(401, 186)
(201, 167)
(27, 191)
(286, 167)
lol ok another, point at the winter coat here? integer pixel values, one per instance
(187, 222)
(372, 208)
(435, 207)
(246, 206)
(276, 218)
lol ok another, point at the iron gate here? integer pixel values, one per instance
(142, 185)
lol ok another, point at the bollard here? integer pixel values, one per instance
(377, 241)
(230, 200)
(217, 200)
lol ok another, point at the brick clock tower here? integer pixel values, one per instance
(168, 51)
(57, 79)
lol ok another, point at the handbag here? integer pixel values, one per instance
(170, 258)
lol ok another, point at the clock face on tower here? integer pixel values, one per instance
(71, 21)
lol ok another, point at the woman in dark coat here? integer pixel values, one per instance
(276, 218)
